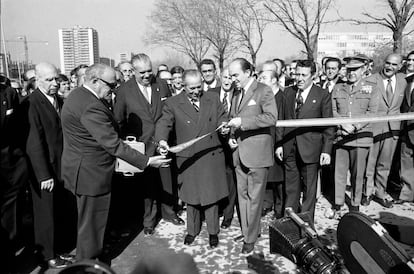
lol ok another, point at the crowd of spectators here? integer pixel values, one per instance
(61, 135)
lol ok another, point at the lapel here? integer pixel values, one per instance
(248, 95)
(291, 100)
(204, 115)
(357, 88)
(233, 102)
(137, 93)
(187, 107)
(399, 83)
(155, 98)
(408, 92)
(48, 107)
(3, 105)
(380, 81)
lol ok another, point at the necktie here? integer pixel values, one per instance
(55, 104)
(225, 103)
(388, 91)
(328, 85)
(412, 94)
(299, 102)
(241, 98)
(145, 93)
(194, 103)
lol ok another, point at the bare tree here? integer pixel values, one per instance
(170, 27)
(396, 19)
(302, 19)
(209, 19)
(248, 21)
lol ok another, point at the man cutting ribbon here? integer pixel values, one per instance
(201, 168)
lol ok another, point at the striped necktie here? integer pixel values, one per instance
(225, 103)
(194, 103)
(299, 102)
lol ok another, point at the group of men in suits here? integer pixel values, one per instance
(74, 145)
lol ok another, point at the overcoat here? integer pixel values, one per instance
(201, 167)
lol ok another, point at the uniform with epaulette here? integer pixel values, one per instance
(357, 99)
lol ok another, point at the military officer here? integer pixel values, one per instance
(356, 98)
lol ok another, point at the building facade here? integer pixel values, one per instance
(77, 45)
(342, 44)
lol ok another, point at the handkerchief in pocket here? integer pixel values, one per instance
(9, 111)
(252, 103)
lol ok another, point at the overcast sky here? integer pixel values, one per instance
(121, 25)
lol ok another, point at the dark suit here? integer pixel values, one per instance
(44, 148)
(254, 154)
(385, 136)
(228, 204)
(91, 145)
(303, 147)
(13, 166)
(407, 145)
(137, 117)
(201, 168)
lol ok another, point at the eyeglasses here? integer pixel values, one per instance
(207, 70)
(110, 85)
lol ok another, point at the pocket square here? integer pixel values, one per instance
(314, 101)
(163, 98)
(252, 103)
(9, 111)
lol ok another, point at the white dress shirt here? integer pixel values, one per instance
(148, 89)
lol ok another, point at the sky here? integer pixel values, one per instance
(121, 26)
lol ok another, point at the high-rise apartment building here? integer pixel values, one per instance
(78, 45)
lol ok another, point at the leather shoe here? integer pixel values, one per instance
(175, 220)
(366, 200)
(385, 203)
(57, 263)
(68, 257)
(189, 239)
(148, 231)
(265, 211)
(247, 247)
(225, 224)
(213, 240)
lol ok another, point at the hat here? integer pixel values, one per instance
(354, 62)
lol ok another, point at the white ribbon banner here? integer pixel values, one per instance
(343, 120)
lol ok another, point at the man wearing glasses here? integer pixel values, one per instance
(201, 167)
(137, 109)
(91, 144)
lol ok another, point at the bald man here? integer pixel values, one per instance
(44, 149)
(391, 86)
